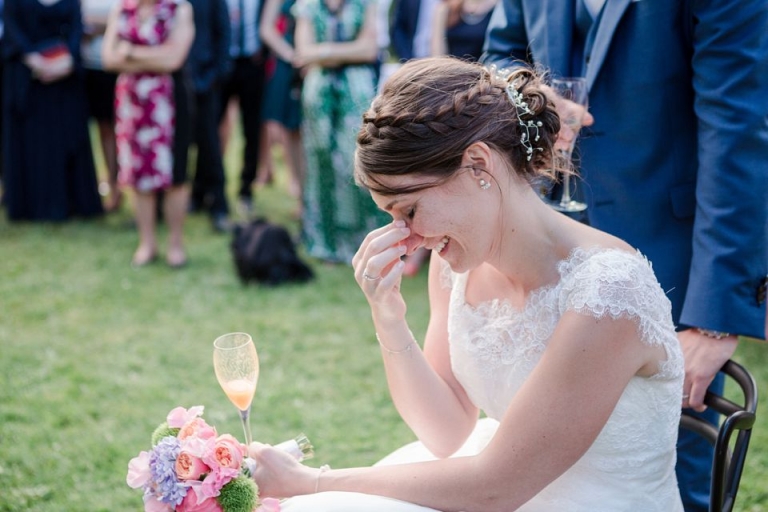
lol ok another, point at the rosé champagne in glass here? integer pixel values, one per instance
(236, 364)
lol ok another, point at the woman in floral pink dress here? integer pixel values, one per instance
(146, 41)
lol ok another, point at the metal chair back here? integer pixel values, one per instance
(728, 462)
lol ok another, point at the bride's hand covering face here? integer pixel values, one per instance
(379, 269)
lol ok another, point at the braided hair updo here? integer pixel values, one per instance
(432, 109)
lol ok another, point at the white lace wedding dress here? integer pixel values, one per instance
(494, 347)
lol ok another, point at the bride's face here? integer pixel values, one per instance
(453, 218)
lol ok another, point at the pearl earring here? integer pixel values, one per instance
(484, 184)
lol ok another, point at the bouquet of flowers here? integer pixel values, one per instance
(191, 468)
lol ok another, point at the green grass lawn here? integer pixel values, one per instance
(94, 354)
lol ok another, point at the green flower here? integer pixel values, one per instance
(239, 495)
(163, 430)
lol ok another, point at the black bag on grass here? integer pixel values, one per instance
(265, 252)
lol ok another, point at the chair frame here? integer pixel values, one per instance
(727, 464)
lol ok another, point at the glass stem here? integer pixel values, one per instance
(567, 165)
(565, 198)
(246, 426)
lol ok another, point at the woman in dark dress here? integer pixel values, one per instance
(48, 165)
(281, 110)
(459, 28)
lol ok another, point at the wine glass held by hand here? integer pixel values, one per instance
(236, 364)
(571, 104)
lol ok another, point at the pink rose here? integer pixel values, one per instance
(138, 471)
(190, 503)
(179, 416)
(190, 467)
(269, 505)
(228, 452)
(196, 427)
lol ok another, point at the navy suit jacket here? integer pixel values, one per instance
(209, 61)
(676, 163)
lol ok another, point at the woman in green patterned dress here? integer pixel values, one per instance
(336, 47)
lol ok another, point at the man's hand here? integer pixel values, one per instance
(573, 117)
(704, 356)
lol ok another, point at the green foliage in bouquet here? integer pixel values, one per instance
(239, 495)
(163, 430)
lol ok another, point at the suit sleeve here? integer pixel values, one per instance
(75, 36)
(730, 253)
(506, 40)
(15, 41)
(403, 30)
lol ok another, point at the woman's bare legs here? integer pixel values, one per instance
(175, 211)
(270, 136)
(145, 212)
(228, 124)
(294, 155)
(109, 150)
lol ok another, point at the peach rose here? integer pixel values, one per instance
(196, 427)
(228, 452)
(190, 467)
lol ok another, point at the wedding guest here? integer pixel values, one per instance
(48, 169)
(281, 111)
(246, 84)
(559, 332)
(146, 41)
(100, 92)
(209, 65)
(674, 161)
(460, 26)
(336, 44)
(411, 31)
(2, 29)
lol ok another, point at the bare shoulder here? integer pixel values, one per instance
(593, 237)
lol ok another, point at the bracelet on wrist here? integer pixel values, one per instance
(408, 348)
(322, 469)
(718, 335)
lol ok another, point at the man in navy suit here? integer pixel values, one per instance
(675, 162)
(209, 64)
(246, 82)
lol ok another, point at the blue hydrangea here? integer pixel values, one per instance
(162, 467)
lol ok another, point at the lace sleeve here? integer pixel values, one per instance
(618, 284)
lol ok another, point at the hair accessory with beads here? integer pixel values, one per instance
(530, 129)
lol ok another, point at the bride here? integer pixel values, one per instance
(558, 332)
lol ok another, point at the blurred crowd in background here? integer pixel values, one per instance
(143, 85)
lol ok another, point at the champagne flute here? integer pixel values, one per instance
(572, 89)
(236, 364)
